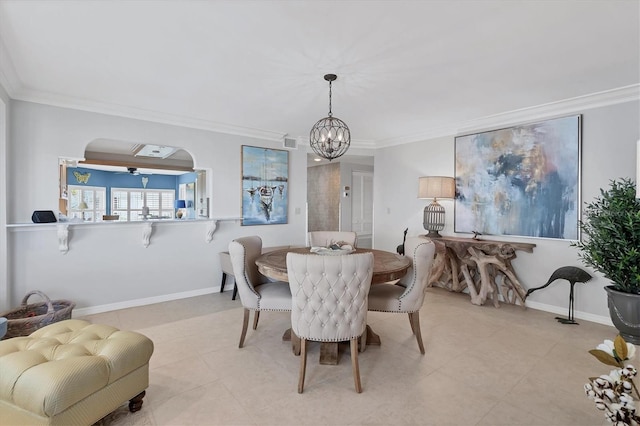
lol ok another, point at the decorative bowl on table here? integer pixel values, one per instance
(333, 250)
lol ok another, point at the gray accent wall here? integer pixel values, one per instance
(609, 136)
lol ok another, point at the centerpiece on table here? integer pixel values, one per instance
(336, 249)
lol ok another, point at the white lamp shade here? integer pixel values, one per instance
(436, 187)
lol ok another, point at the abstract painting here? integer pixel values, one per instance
(265, 180)
(521, 181)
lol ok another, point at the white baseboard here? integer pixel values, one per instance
(91, 310)
(606, 320)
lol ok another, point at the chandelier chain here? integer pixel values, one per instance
(330, 99)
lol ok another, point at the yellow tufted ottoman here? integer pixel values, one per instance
(72, 373)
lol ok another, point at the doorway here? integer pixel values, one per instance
(362, 207)
(340, 196)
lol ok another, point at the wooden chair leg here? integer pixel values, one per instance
(245, 324)
(303, 364)
(414, 317)
(256, 316)
(224, 280)
(413, 329)
(235, 291)
(354, 364)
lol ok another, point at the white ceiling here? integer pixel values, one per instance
(405, 68)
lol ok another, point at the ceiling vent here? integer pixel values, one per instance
(290, 143)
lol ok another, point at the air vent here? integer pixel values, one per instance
(290, 143)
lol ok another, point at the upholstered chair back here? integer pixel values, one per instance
(243, 253)
(326, 238)
(329, 295)
(407, 295)
(421, 251)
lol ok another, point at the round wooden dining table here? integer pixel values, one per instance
(387, 267)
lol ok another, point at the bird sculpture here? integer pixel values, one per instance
(400, 248)
(571, 274)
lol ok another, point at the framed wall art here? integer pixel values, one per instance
(265, 186)
(521, 181)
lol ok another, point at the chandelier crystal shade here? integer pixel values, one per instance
(330, 137)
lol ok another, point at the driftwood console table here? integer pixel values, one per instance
(481, 266)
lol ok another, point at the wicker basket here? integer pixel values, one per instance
(26, 319)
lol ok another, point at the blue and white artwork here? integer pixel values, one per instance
(521, 181)
(265, 186)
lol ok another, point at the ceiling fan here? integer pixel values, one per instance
(133, 171)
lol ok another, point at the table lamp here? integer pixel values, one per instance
(83, 206)
(180, 204)
(435, 187)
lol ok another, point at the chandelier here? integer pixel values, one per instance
(330, 137)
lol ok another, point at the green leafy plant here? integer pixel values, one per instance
(611, 225)
(613, 393)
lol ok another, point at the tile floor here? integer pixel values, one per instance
(483, 366)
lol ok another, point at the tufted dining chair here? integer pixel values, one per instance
(326, 238)
(329, 302)
(407, 296)
(256, 292)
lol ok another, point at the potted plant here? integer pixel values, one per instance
(611, 225)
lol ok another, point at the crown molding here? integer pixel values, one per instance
(363, 144)
(142, 114)
(568, 106)
(432, 133)
(158, 117)
(11, 83)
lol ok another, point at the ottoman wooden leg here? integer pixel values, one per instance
(135, 403)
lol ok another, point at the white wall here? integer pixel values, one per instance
(4, 136)
(108, 265)
(609, 136)
(179, 262)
